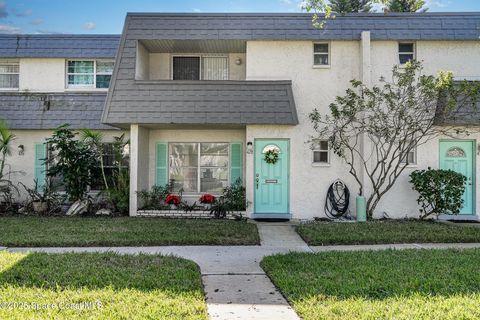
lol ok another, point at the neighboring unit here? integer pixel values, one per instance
(47, 81)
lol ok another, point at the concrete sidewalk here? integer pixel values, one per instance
(236, 287)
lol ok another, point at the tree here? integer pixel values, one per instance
(392, 119)
(74, 160)
(405, 5)
(326, 8)
(350, 6)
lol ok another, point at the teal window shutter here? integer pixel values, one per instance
(40, 168)
(236, 162)
(161, 166)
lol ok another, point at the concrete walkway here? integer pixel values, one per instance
(236, 286)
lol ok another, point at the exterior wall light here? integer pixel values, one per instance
(238, 61)
(21, 150)
(249, 147)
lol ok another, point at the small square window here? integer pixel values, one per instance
(406, 52)
(321, 54)
(410, 158)
(321, 152)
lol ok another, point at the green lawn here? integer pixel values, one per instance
(407, 284)
(77, 231)
(99, 286)
(376, 232)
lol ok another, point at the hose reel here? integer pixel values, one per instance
(337, 200)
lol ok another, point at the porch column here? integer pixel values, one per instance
(139, 156)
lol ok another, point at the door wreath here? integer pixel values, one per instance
(271, 156)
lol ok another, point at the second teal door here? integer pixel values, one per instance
(458, 155)
(271, 181)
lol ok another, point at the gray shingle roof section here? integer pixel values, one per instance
(59, 46)
(50, 110)
(201, 102)
(394, 26)
(463, 115)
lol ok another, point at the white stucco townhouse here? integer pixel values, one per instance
(204, 95)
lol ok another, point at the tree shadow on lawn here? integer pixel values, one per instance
(384, 284)
(128, 286)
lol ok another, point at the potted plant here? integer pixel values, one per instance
(41, 199)
(173, 201)
(207, 200)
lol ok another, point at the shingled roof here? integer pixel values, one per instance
(58, 46)
(298, 26)
(202, 102)
(50, 110)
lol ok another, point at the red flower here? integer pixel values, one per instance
(172, 199)
(207, 198)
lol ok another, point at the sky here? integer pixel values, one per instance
(107, 16)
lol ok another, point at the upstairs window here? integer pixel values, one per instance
(321, 55)
(9, 74)
(406, 52)
(200, 68)
(89, 73)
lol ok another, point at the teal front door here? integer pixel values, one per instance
(271, 179)
(458, 155)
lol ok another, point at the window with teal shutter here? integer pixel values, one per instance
(40, 168)
(161, 166)
(236, 162)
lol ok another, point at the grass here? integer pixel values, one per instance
(377, 232)
(407, 284)
(99, 286)
(126, 231)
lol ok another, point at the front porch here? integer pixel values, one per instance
(228, 164)
(186, 162)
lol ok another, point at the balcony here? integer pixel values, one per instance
(190, 60)
(168, 83)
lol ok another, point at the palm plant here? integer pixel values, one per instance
(95, 140)
(6, 140)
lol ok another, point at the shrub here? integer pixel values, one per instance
(440, 191)
(154, 199)
(73, 160)
(232, 199)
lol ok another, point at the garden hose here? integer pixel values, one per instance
(337, 200)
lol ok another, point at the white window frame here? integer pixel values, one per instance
(199, 167)
(411, 164)
(200, 56)
(12, 63)
(81, 86)
(329, 55)
(414, 52)
(317, 149)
